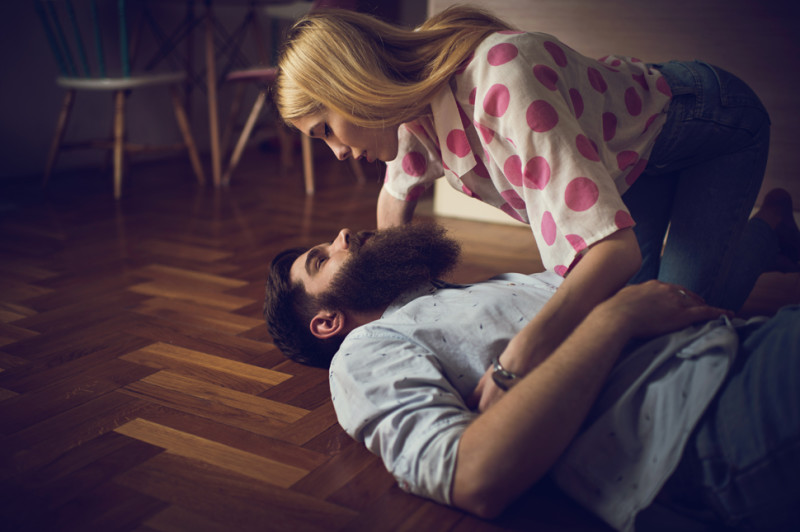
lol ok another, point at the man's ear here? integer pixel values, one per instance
(327, 324)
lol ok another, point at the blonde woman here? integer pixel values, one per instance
(598, 156)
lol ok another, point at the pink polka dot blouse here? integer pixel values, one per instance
(541, 132)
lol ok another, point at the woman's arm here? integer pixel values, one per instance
(514, 443)
(604, 269)
(392, 211)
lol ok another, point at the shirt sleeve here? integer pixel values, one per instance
(398, 402)
(549, 168)
(417, 165)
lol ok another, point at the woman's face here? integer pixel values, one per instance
(346, 139)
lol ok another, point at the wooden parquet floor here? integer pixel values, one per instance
(139, 389)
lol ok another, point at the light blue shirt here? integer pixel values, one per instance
(399, 384)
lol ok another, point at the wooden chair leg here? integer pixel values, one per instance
(233, 116)
(119, 140)
(58, 137)
(245, 136)
(186, 132)
(308, 164)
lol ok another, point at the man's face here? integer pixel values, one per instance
(367, 271)
(316, 268)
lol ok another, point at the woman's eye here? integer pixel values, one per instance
(326, 131)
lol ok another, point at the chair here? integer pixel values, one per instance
(264, 77)
(86, 65)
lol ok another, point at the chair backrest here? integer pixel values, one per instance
(80, 38)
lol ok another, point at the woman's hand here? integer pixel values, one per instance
(654, 308)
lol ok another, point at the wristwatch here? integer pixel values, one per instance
(503, 378)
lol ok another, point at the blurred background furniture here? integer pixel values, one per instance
(95, 52)
(263, 77)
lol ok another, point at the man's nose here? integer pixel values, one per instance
(342, 240)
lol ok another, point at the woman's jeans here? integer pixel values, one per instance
(700, 186)
(741, 465)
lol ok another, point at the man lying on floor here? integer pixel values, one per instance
(654, 394)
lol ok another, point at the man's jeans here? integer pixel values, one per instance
(701, 183)
(740, 466)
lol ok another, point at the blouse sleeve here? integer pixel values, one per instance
(417, 165)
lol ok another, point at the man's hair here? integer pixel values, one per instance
(288, 310)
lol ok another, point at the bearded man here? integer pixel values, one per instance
(649, 399)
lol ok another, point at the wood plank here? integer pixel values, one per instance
(210, 452)
(191, 294)
(191, 314)
(163, 272)
(222, 371)
(240, 502)
(229, 407)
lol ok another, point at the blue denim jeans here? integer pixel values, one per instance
(700, 185)
(741, 466)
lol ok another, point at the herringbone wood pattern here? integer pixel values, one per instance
(139, 389)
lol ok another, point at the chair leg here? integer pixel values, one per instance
(58, 137)
(308, 163)
(186, 132)
(119, 140)
(233, 116)
(245, 136)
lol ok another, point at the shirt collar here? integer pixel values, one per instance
(450, 130)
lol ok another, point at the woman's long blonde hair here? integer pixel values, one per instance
(374, 73)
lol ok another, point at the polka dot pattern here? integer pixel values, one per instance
(633, 102)
(541, 116)
(636, 171)
(501, 54)
(581, 194)
(415, 193)
(496, 101)
(663, 87)
(549, 229)
(546, 76)
(481, 170)
(577, 243)
(587, 148)
(577, 102)
(556, 52)
(513, 199)
(414, 164)
(596, 80)
(537, 173)
(585, 124)
(509, 210)
(609, 126)
(512, 169)
(623, 219)
(626, 158)
(486, 133)
(458, 143)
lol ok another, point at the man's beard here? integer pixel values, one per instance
(388, 263)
